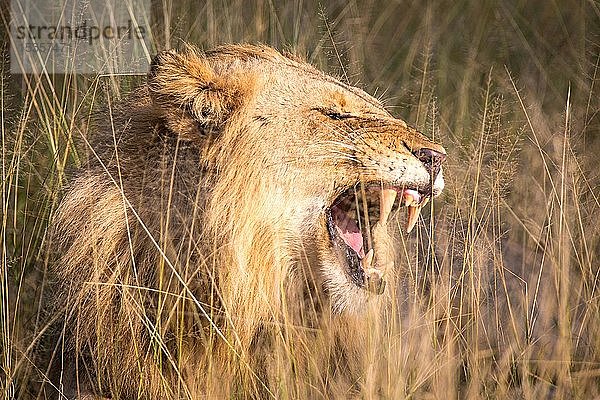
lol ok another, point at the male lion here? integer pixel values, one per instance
(229, 236)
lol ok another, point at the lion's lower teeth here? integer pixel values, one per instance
(368, 260)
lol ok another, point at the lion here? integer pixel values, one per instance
(229, 236)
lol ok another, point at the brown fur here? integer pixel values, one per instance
(193, 254)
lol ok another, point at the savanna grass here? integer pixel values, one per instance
(498, 296)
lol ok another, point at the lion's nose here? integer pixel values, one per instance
(431, 159)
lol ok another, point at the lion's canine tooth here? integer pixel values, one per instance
(386, 203)
(372, 274)
(412, 216)
(368, 260)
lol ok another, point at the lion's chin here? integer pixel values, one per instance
(357, 225)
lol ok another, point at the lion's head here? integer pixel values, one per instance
(298, 149)
(243, 179)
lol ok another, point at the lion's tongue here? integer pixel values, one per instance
(347, 229)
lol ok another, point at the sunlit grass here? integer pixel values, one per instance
(497, 295)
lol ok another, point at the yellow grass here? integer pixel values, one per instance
(498, 292)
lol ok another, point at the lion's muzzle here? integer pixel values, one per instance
(357, 221)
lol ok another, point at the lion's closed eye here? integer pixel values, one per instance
(334, 113)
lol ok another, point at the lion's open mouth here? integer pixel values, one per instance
(357, 224)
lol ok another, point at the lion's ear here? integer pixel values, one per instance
(191, 94)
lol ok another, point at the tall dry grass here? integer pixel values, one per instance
(499, 290)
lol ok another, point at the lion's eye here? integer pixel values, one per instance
(334, 114)
(338, 115)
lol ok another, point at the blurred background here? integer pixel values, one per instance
(503, 273)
